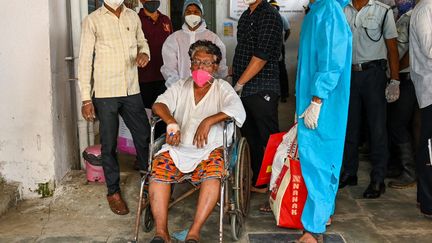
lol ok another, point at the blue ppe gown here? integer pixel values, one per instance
(324, 70)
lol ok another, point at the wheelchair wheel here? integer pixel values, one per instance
(243, 177)
(236, 220)
(147, 219)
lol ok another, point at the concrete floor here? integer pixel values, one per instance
(78, 212)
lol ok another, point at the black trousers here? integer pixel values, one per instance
(367, 100)
(131, 109)
(261, 121)
(400, 114)
(424, 169)
(283, 76)
(149, 93)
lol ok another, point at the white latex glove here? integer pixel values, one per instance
(392, 91)
(238, 88)
(311, 115)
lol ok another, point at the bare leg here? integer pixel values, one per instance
(265, 207)
(159, 199)
(209, 195)
(259, 190)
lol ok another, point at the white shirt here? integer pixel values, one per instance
(369, 21)
(180, 100)
(402, 26)
(421, 51)
(285, 22)
(175, 53)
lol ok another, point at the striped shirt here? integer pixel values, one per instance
(113, 43)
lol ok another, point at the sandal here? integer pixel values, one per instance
(157, 239)
(265, 208)
(191, 241)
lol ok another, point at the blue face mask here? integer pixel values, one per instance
(151, 6)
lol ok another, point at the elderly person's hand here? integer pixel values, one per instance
(201, 134)
(142, 60)
(88, 111)
(173, 135)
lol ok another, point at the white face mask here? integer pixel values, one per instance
(114, 4)
(192, 20)
(249, 2)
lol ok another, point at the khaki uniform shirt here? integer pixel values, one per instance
(109, 47)
(366, 27)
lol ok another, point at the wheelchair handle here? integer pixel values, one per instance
(155, 119)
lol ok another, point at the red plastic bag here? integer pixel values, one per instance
(288, 197)
(266, 165)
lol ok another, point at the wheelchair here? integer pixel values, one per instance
(235, 184)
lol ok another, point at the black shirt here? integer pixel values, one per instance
(259, 34)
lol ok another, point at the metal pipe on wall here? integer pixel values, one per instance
(79, 9)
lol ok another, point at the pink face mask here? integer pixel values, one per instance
(201, 77)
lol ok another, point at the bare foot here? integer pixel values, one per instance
(164, 234)
(329, 222)
(308, 238)
(265, 208)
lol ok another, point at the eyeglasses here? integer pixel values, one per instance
(204, 63)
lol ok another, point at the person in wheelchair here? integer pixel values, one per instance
(194, 110)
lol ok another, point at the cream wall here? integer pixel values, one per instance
(65, 137)
(35, 114)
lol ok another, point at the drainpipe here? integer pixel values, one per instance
(78, 10)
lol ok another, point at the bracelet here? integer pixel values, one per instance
(85, 104)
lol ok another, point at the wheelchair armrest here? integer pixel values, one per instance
(155, 143)
(228, 121)
(153, 121)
